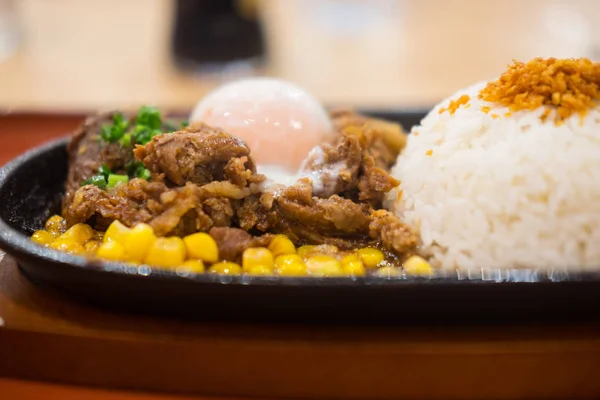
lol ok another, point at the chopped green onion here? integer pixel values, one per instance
(131, 166)
(120, 122)
(136, 169)
(96, 180)
(144, 135)
(112, 132)
(185, 124)
(148, 124)
(104, 171)
(116, 134)
(125, 141)
(114, 180)
(149, 117)
(144, 173)
(105, 133)
(100, 178)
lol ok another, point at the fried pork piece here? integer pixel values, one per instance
(384, 139)
(307, 219)
(334, 168)
(233, 241)
(374, 182)
(87, 153)
(395, 236)
(170, 211)
(199, 154)
(356, 166)
(333, 216)
(257, 212)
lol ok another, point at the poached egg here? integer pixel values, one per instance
(279, 121)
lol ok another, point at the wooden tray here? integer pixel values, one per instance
(47, 337)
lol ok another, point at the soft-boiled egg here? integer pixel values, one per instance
(279, 121)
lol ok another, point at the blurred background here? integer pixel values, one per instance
(83, 55)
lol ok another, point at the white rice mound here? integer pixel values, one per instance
(502, 191)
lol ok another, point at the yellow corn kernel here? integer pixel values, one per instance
(292, 269)
(350, 255)
(323, 265)
(41, 237)
(116, 232)
(388, 272)
(168, 252)
(91, 246)
(354, 268)
(192, 266)
(304, 250)
(259, 270)
(112, 251)
(202, 246)
(286, 259)
(138, 242)
(290, 265)
(416, 265)
(371, 257)
(257, 256)
(56, 225)
(66, 245)
(79, 233)
(281, 244)
(225, 268)
(352, 265)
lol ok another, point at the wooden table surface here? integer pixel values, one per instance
(17, 389)
(47, 337)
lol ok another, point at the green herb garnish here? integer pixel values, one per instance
(131, 167)
(149, 117)
(114, 180)
(97, 180)
(147, 124)
(112, 132)
(185, 124)
(125, 141)
(144, 173)
(104, 171)
(136, 169)
(144, 134)
(105, 132)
